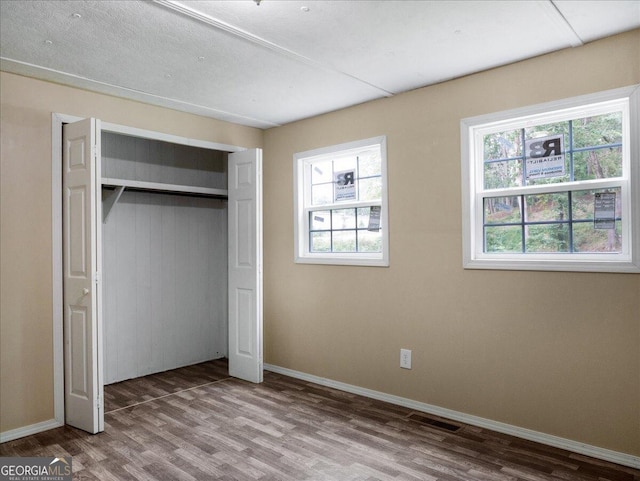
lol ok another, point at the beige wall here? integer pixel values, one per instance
(552, 352)
(26, 327)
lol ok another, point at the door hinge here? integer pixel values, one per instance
(97, 277)
(98, 403)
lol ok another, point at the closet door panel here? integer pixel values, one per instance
(81, 262)
(245, 265)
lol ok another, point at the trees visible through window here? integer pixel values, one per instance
(341, 204)
(560, 221)
(552, 186)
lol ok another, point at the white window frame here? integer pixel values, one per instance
(473, 193)
(302, 205)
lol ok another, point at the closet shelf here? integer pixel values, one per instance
(121, 184)
(166, 188)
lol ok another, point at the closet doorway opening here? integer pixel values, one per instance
(159, 259)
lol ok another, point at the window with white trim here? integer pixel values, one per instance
(554, 186)
(341, 204)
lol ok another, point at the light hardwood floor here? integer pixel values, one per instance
(196, 423)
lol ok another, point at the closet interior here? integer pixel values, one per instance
(164, 255)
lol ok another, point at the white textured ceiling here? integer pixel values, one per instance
(283, 60)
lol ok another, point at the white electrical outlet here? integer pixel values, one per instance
(405, 358)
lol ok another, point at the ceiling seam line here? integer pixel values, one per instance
(129, 89)
(220, 25)
(568, 25)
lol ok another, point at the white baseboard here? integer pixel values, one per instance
(528, 434)
(29, 430)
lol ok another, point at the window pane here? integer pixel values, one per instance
(320, 220)
(546, 151)
(320, 242)
(503, 239)
(369, 241)
(588, 239)
(344, 241)
(369, 164)
(556, 179)
(545, 207)
(321, 172)
(344, 219)
(345, 163)
(498, 175)
(598, 164)
(583, 201)
(370, 189)
(337, 189)
(545, 130)
(547, 238)
(363, 217)
(503, 145)
(502, 210)
(552, 186)
(322, 194)
(598, 130)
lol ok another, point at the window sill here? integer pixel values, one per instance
(613, 266)
(334, 259)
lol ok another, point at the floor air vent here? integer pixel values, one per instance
(436, 423)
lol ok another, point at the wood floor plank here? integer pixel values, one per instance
(197, 423)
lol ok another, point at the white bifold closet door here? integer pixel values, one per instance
(245, 265)
(82, 335)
